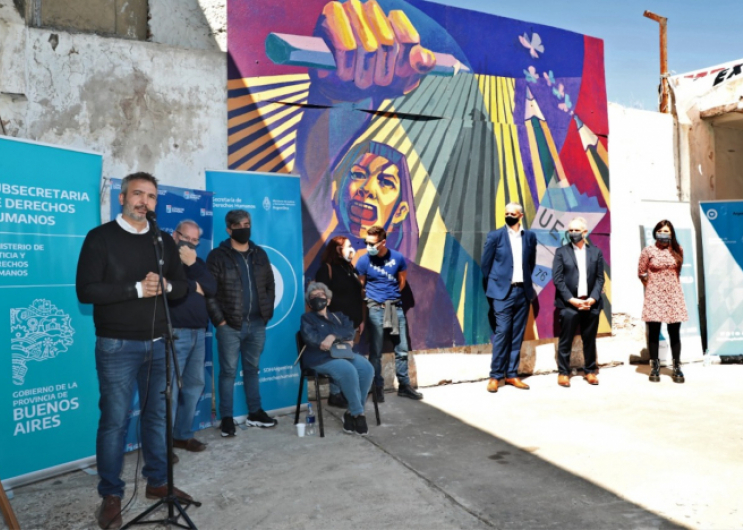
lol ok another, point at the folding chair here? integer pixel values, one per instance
(309, 373)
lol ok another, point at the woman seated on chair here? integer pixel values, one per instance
(328, 338)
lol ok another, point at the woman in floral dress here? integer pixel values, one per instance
(659, 270)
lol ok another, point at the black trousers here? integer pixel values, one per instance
(654, 339)
(588, 321)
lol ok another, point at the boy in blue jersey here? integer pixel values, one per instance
(382, 271)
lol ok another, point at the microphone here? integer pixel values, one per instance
(156, 234)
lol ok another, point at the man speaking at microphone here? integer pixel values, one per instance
(117, 273)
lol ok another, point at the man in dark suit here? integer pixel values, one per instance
(507, 263)
(578, 275)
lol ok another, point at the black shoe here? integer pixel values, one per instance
(678, 375)
(337, 400)
(361, 427)
(409, 392)
(260, 419)
(228, 427)
(654, 370)
(379, 392)
(349, 423)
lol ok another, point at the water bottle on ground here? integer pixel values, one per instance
(310, 430)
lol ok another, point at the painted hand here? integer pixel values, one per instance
(375, 54)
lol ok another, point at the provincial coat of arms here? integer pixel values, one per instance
(37, 333)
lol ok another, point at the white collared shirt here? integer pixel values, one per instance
(516, 239)
(129, 228)
(580, 258)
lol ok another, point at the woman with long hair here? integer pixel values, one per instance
(338, 274)
(659, 271)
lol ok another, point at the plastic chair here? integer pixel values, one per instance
(309, 373)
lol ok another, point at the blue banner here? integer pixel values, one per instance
(173, 206)
(49, 200)
(274, 203)
(722, 247)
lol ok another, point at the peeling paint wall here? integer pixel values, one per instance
(199, 24)
(144, 106)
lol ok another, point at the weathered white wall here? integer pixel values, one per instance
(144, 106)
(729, 162)
(642, 168)
(197, 24)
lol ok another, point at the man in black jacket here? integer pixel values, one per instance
(190, 320)
(240, 310)
(578, 275)
(116, 272)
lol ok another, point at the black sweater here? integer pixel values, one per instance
(111, 262)
(190, 311)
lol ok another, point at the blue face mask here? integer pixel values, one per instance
(372, 251)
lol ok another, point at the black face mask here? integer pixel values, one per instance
(575, 237)
(663, 239)
(512, 221)
(318, 304)
(241, 235)
(186, 244)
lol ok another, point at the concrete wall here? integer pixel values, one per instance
(144, 106)
(729, 162)
(196, 24)
(642, 168)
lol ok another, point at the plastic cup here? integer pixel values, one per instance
(300, 429)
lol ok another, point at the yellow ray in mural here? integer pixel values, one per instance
(287, 109)
(535, 162)
(599, 180)
(252, 147)
(555, 155)
(265, 109)
(274, 94)
(607, 286)
(249, 82)
(462, 297)
(603, 154)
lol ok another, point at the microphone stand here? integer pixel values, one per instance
(171, 500)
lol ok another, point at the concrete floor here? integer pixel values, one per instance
(625, 454)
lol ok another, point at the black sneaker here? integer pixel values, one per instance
(361, 427)
(409, 392)
(228, 427)
(260, 419)
(379, 391)
(349, 423)
(337, 400)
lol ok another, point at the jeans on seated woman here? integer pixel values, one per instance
(320, 329)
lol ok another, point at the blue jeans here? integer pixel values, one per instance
(232, 344)
(353, 376)
(119, 364)
(191, 350)
(511, 315)
(376, 331)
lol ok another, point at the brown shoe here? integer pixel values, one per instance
(517, 382)
(493, 385)
(162, 491)
(563, 380)
(591, 379)
(109, 513)
(192, 444)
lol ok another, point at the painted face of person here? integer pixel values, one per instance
(141, 196)
(372, 194)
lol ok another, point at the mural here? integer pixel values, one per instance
(425, 119)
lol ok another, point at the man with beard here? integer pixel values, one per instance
(116, 272)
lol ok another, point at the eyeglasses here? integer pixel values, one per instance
(187, 239)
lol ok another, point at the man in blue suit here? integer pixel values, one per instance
(507, 262)
(578, 275)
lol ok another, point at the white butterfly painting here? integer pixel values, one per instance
(534, 44)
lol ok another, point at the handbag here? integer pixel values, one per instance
(341, 350)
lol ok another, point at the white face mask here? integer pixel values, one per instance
(371, 250)
(348, 254)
